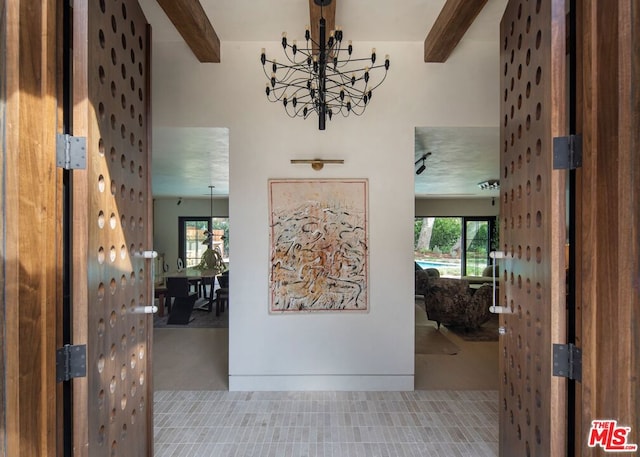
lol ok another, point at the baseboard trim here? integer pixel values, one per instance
(275, 383)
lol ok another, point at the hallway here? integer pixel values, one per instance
(196, 416)
(327, 424)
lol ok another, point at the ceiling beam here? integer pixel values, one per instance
(191, 21)
(450, 26)
(315, 13)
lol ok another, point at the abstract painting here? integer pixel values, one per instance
(319, 245)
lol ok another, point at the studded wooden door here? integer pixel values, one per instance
(111, 204)
(532, 228)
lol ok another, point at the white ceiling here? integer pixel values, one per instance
(461, 157)
(186, 160)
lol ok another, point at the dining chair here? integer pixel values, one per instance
(222, 293)
(179, 290)
(207, 282)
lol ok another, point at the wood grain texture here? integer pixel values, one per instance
(79, 192)
(558, 223)
(578, 249)
(631, 16)
(627, 395)
(586, 223)
(32, 185)
(532, 212)
(111, 201)
(452, 23)
(315, 13)
(60, 273)
(3, 153)
(147, 163)
(11, 209)
(609, 205)
(192, 22)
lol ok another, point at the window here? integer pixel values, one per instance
(192, 237)
(439, 243)
(220, 227)
(477, 244)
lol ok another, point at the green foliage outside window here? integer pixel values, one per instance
(479, 242)
(417, 227)
(222, 224)
(446, 233)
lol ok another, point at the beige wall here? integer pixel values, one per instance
(329, 351)
(167, 211)
(425, 207)
(165, 221)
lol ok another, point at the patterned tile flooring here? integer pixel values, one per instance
(326, 424)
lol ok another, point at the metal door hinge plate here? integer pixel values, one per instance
(567, 361)
(71, 152)
(71, 362)
(567, 152)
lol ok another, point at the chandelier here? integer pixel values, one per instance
(209, 233)
(211, 258)
(322, 77)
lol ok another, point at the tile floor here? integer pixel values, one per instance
(327, 424)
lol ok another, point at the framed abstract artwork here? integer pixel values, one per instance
(318, 245)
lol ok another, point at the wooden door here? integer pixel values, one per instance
(111, 204)
(532, 228)
(608, 223)
(31, 203)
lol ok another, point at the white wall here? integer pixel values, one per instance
(335, 351)
(454, 207)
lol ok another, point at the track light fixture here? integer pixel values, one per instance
(489, 185)
(422, 166)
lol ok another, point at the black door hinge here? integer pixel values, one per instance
(567, 361)
(567, 152)
(71, 362)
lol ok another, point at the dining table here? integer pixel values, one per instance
(198, 278)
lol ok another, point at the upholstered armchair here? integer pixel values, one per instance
(453, 303)
(423, 276)
(487, 276)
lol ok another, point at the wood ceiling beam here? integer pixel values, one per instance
(452, 23)
(315, 13)
(191, 21)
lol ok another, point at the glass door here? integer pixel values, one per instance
(477, 236)
(191, 238)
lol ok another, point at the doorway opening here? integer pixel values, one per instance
(455, 246)
(454, 250)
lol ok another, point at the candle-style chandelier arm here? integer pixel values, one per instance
(304, 74)
(354, 76)
(360, 96)
(291, 89)
(294, 96)
(305, 58)
(322, 77)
